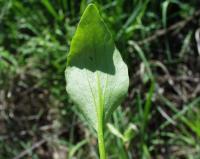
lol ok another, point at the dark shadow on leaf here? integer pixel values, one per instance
(96, 58)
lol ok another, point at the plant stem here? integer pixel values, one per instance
(100, 114)
(102, 151)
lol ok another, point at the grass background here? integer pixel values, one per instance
(160, 115)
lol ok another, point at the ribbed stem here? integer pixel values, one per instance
(100, 114)
(102, 151)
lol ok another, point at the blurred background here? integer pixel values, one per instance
(160, 117)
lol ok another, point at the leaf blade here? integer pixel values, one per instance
(95, 69)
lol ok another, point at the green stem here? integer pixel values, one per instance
(102, 151)
(100, 114)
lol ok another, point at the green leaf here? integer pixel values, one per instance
(130, 132)
(115, 131)
(97, 78)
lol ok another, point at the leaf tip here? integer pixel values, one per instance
(91, 12)
(92, 6)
